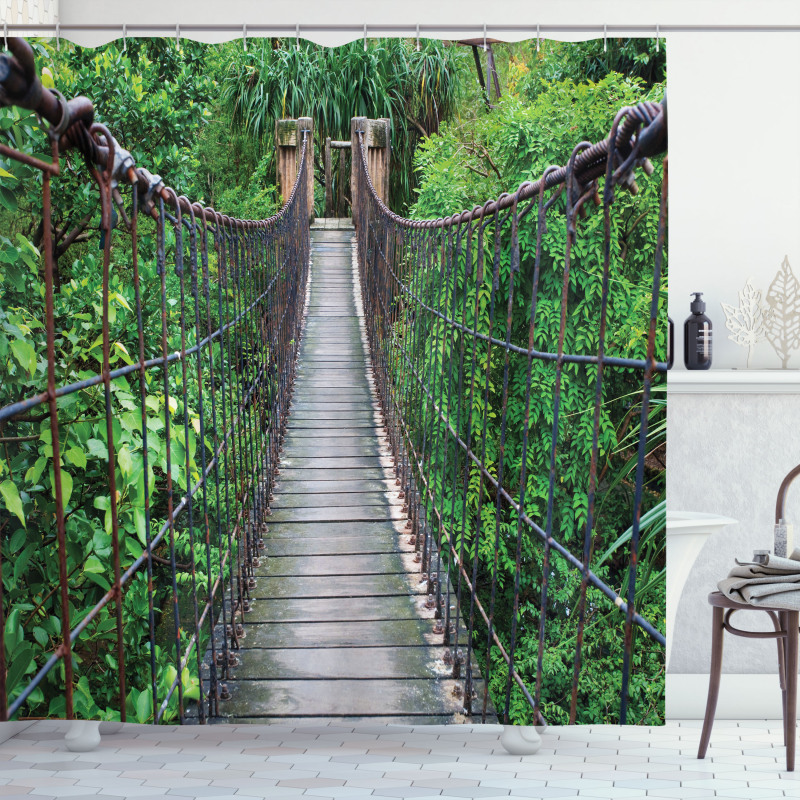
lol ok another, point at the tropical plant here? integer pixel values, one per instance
(458, 169)
(415, 89)
(155, 99)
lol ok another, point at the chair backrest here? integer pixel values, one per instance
(785, 484)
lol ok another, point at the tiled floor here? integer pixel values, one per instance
(746, 760)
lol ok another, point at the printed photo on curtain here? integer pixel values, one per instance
(333, 381)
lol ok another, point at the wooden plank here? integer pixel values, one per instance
(323, 473)
(321, 371)
(313, 635)
(337, 444)
(362, 513)
(334, 431)
(345, 387)
(312, 418)
(333, 394)
(348, 462)
(299, 530)
(322, 361)
(331, 499)
(335, 409)
(346, 565)
(343, 610)
(332, 545)
(358, 663)
(340, 377)
(293, 489)
(338, 357)
(297, 451)
(340, 697)
(333, 586)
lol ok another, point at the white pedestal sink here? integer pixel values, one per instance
(687, 532)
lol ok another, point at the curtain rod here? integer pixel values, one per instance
(391, 29)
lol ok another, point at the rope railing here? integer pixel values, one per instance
(182, 442)
(474, 358)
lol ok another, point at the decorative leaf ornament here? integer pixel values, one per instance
(747, 323)
(782, 326)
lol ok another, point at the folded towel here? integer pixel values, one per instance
(774, 584)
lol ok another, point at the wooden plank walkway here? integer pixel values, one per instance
(338, 626)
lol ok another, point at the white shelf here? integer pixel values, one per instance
(733, 381)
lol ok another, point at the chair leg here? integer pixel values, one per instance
(790, 717)
(781, 642)
(717, 632)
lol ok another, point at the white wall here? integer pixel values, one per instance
(734, 195)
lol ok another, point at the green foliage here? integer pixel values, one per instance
(529, 72)
(153, 98)
(203, 117)
(156, 97)
(460, 168)
(416, 90)
(259, 199)
(29, 543)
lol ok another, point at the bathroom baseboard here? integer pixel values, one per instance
(750, 696)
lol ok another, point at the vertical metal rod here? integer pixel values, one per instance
(65, 647)
(146, 467)
(104, 184)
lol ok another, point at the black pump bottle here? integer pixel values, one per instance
(697, 336)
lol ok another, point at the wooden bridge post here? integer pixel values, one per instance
(378, 141)
(328, 179)
(340, 206)
(288, 144)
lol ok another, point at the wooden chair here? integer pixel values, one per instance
(785, 624)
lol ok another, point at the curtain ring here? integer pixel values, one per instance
(418, 37)
(605, 38)
(537, 37)
(365, 37)
(297, 37)
(244, 37)
(485, 48)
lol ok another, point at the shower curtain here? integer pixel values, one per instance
(333, 381)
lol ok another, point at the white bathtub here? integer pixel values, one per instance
(687, 532)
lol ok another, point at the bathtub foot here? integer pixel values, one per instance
(110, 728)
(520, 740)
(83, 735)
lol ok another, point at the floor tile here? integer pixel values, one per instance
(345, 761)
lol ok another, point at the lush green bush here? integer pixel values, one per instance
(460, 168)
(153, 100)
(415, 89)
(180, 112)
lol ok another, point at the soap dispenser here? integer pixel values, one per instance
(697, 336)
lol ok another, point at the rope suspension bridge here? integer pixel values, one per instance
(319, 404)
